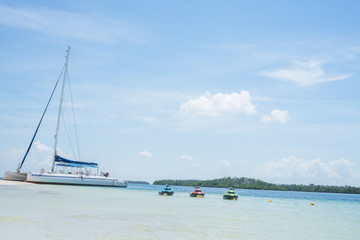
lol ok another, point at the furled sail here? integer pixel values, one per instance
(60, 161)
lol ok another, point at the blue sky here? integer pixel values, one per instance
(191, 89)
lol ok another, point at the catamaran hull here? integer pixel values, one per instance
(74, 179)
(15, 176)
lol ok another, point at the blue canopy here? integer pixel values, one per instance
(60, 161)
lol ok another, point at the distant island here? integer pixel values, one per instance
(251, 183)
(137, 182)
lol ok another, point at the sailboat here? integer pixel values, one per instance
(66, 176)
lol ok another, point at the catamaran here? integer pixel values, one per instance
(82, 174)
(78, 178)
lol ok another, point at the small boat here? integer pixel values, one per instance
(231, 195)
(197, 193)
(167, 191)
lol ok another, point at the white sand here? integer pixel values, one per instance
(5, 182)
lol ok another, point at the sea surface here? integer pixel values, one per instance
(138, 212)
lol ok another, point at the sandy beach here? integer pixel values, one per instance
(4, 182)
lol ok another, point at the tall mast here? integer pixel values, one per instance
(60, 105)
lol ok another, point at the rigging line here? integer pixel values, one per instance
(72, 106)
(32, 140)
(67, 133)
(89, 130)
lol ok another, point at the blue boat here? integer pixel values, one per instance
(167, 191)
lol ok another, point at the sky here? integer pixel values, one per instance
(187, 89)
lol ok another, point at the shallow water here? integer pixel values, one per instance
(138, 212)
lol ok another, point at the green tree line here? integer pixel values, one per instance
(251, 183)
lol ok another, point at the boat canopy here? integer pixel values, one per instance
(60, 161)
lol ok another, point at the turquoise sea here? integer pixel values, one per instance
(72, 212)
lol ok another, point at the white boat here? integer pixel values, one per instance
(64, 177)
(74, 179)
(67, 175)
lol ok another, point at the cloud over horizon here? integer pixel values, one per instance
(297, 168)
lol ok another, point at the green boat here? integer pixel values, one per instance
(231, 195)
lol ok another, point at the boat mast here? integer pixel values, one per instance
(60, 105)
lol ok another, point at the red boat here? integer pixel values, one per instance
(197, 193)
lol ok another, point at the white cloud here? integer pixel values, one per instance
(145, 154)
(68, 24)
(44, 154)
(41, 148)
(304, 73)
(12, 157)
(219, 104)
(186, 157)
(277, 116)
(40, 156)
(225, 163)
(293, 167)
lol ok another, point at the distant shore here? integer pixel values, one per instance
(251, 183)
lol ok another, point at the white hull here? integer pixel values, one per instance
(74, 179)
(15, 176)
